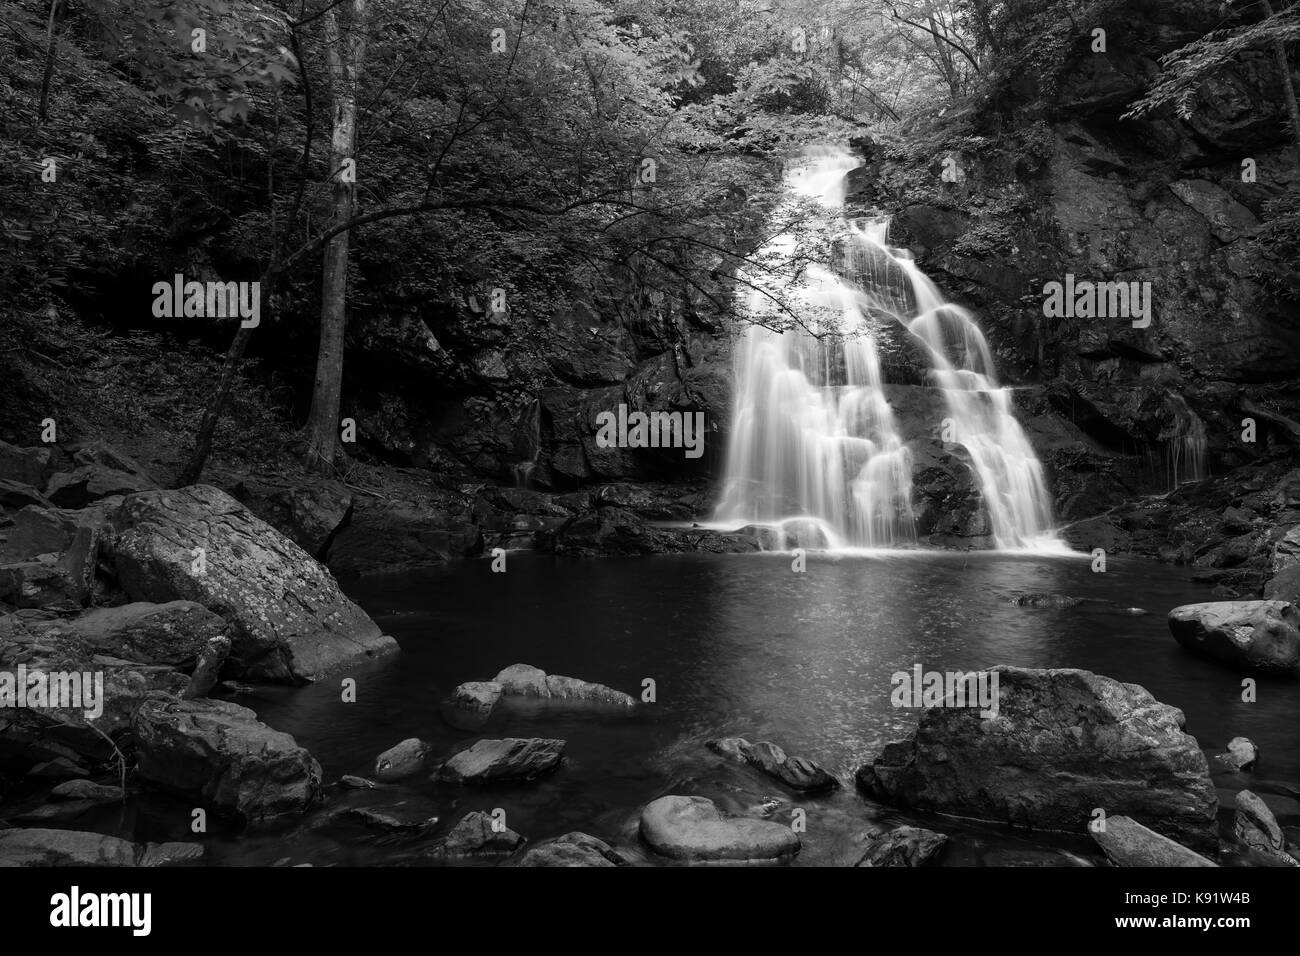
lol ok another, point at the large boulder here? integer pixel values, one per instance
(290, 622)
(1064, 742)
(308, 514)
(174, 633)
(220, 754)
(1128, 843)
(28, 466)
(507, 758)
(81, 486)
(1255, 827)
(36, 846)
(693, 828)
(51, 556)
(1256, 636)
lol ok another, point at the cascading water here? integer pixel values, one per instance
(815, 451)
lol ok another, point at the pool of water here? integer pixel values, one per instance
(735, 645)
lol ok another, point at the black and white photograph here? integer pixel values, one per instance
(464, 435)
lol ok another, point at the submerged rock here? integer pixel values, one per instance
(573, 849)
(401, 761)
(1064, 742)
(904, 846)
(507, 758)
(693, 828)
(798, 773)
(220, 754)
(1255, 636)
(1128, 843)
(477, 835)
(86, 790)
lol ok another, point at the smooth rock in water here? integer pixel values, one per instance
(1255, 636)
(1128, 843)
(573, 849)
(173, 854)
(470, 705)
(1046, 600)
(357, 783)
(1064, 742)
(221, 754)
(389, 818)
(798, 773)
(476, 835)
(1242, 754)
(506, 758)
(528, 681)
(85, 790)
(404, 760)
(58, 768)
(35, 846)
(1254, 826)
(64, 811)
(904, 846)
(693, 828)
(290, 622)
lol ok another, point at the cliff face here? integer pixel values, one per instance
(1051, 183)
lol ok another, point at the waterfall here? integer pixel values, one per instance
(815, 451)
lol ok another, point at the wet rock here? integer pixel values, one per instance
(220, 754)
(526, 680)
(356, 783)
(1128, 843)
(404, 760)
(798, 773)
(290, 622)
(207, 670)
(86, 790)
(173, 854)
(1063, 743)
(392, 818)
(56, 814)
(1255, 636)
(693, 828)
(904, 846)
(476, 835)
(1241, 755)
(38, 583)
(470, 705)
(36, 846)
(173, 633)
(610, 531)
(1255, 827)
(507, 758)
(1046, 600)
(573, 849)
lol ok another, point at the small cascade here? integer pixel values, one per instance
(531, 423)
(815, 451)
(1185, 444)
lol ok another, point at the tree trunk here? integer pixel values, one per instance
(344, 70)
(48, 76)
(1288, 85)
